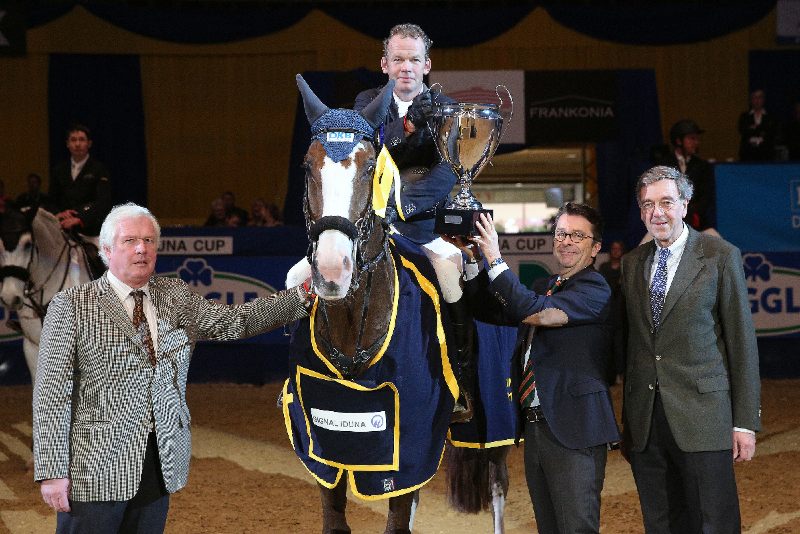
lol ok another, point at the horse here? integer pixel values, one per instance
(38, 260)
(366, 402)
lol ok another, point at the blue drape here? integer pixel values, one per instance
(449, 26)
(103, 92)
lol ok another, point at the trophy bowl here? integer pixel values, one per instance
(466, 135)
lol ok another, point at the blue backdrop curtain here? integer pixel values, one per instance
(103, 92)
(448, 25)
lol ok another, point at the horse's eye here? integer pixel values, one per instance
(28, 246)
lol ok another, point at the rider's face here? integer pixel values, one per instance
(132, 259)
(406, 63)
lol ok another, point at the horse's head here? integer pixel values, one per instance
(339, 170)
(17, 246)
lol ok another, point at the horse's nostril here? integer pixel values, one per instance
(346, 262)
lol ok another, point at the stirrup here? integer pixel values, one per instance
(463, 409)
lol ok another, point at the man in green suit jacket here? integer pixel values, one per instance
(692, 392)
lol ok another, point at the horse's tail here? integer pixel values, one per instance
(469, 489)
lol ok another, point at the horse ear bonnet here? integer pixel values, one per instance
(340, 130)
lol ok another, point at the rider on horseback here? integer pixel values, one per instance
(426, 183)
(80, 194)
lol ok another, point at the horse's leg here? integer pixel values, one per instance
(399, 521)
(498, 480)
(334, 502)
(414, 506)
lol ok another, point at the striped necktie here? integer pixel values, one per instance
(658, 288)
(527, 386)
(141, 325)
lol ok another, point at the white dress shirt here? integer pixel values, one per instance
(123, 291)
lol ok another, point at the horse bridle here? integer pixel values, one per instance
(30, 292)
(360, 232)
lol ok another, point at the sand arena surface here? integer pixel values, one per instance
(246, 479)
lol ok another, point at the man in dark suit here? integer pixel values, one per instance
(558, 368)
(80, 191)
(684, 156)
(691, 402)
(111, 428)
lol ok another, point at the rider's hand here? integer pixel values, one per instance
(466, 246)
(420, 110)
(69, 223)
(66, 214)
(55, 492)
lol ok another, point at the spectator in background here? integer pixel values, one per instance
(231, 208)
(264, 214)
(233, 220)
(758, 130)
(684, 136)
(791, 133)
(80, 190)
(217, 216)
(33, 197)
(611, 271)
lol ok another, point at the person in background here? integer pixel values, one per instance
(691, 403)
(757, 130)
(611, 271)
(33, 197)
(229, 201)
(111, 428)
(263, 214)
(80, 189)
(217, 217)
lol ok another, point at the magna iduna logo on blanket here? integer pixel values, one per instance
(349, 422)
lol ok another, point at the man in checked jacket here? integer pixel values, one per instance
(111, 429)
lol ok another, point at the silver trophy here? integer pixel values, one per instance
(467, 135)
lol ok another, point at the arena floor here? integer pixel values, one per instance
(245, 478)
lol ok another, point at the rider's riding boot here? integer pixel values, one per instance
(466, 372)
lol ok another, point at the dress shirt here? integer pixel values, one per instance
(77, 166)
(123, 291)
(402, 106)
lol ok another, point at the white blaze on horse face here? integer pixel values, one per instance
(12, 292)
(334, 257)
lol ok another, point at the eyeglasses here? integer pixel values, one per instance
(665, 205)
(576, 237)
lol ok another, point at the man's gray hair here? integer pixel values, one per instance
(122, 212)
(656, 174)
(408, 30)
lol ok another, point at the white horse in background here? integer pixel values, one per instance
(38, 260)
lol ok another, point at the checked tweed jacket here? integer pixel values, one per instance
(95, 389)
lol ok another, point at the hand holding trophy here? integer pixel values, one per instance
(467, 136)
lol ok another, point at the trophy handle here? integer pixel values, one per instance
(506, 117)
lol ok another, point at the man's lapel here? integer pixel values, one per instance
(642, 279)
(112, 306)
(163, 311)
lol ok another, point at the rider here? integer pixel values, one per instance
(80, 192)
(406, 59)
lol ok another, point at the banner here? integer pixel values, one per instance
(758, 206)
(773, 287)
(570, 106)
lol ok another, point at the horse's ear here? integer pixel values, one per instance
(376, 111)
(313, 105)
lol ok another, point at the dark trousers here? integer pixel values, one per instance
(564, 484)
(145, 513)
(684, 492)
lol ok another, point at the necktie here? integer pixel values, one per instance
(527, 386)
(140, 323)
(658, 288)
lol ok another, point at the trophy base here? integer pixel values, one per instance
(458, 222)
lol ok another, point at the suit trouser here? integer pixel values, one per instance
(145, 513)
(684, 492)
(564, 484)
